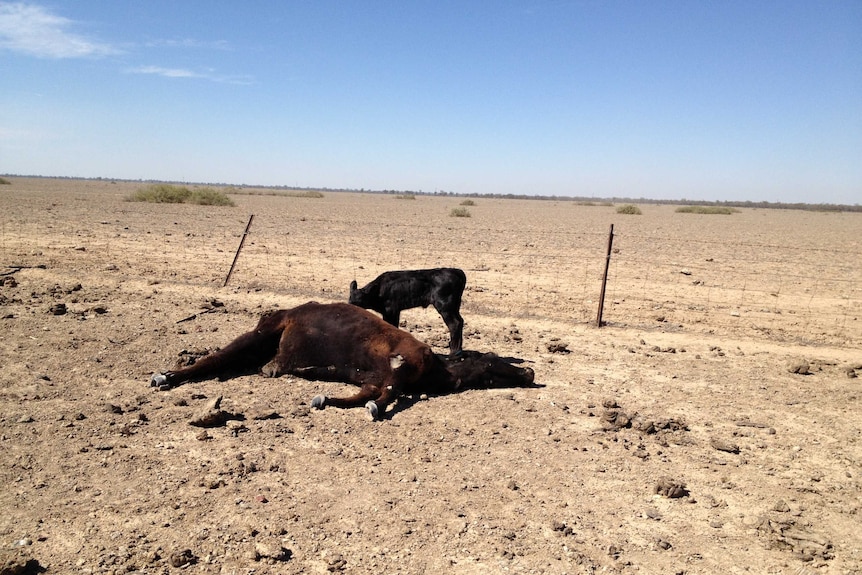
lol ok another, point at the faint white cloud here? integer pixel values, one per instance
(189, 43)
(32, 29)
(184, 73)
(166, 72)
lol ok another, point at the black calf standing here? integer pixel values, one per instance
(392, 292)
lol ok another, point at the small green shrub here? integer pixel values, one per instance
(4, 182)
(209, 197)
(629, 209)
(723, 210)
(307, 194)
(468, 203)
(171, 194)
(591, 204)
(459, 213)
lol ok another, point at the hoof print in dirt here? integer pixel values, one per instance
(670, 488)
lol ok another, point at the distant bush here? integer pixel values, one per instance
(591, 204)
(307, 194)
(706, 210)
(459, 213)
(629, 209)
(4, 182)
(468, 203)
(405, 197)
(171, 194)
(270, 192)
(209, 197)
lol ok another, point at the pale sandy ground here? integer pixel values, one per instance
(102, 474)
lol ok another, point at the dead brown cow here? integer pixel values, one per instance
(342, 342)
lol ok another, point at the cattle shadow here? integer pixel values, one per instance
(410, 398)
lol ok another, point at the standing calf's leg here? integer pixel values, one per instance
(455, 323)
(392, 317)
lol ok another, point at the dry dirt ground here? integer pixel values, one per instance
(681, 438)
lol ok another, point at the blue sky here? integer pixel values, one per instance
(749, 100)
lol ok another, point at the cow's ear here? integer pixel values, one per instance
(353, 285)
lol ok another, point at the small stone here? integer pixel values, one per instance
(781, 506)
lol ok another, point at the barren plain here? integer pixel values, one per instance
(711, 426)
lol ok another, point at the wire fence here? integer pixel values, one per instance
(778, 292)
(525, 260)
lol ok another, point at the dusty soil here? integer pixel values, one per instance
(711, 427)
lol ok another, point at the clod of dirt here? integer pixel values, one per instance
(670, 488)
(561, 527)
(614, 420)
(800, 367)
(662, 544)
(274, 551)
(781, 506)
(188, 357)
(58, 309)
(650, 426)
(213, 416)
(557, 346)
(182, 558)
(784, 534)
(336, 563)
(724, 446)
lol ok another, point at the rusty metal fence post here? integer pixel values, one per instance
(236, 257)
(605, 277)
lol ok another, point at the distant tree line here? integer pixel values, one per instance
(578, 199)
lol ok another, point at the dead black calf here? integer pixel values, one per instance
(392, 292)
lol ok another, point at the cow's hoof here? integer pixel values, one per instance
(318, 402)
(160, 380)
(372, 410)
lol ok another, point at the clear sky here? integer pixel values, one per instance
(709, 100)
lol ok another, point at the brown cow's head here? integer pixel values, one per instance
(476, 370)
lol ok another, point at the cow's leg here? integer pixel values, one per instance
(247, 352)
(455, 323)
(365, 396)
(375, 395)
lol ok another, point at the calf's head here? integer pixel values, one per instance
(476, 370)
(357, 296)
